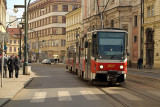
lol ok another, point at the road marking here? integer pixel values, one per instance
(154, 92)
(89, 95)
(38, 97)
(64, 96)
(129, 96)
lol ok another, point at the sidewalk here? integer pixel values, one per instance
(11, 86)
(144, 70)
(148, 73)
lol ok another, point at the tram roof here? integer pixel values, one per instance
(108, 30)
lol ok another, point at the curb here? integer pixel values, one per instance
(9, 99)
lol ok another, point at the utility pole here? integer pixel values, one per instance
(101, 13)
(2, 60)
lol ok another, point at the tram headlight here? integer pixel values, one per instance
(121, 67)
(101, 66)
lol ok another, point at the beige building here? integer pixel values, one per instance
(73, 27)
(124, 14)
(3, 7)
(47, 28)
(151, 48)
(13, 44)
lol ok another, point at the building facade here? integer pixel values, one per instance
(124, 14)
(3, 8)
(73, 27)
(151, 54)
(13, 45)
(47, 28)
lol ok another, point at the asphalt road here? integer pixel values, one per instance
(53, 86)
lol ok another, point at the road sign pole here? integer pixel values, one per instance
(2, 60)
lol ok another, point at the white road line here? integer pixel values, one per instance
(64, 96)
(89, 95)
(129, 96)
(154, 92)
(38, 97)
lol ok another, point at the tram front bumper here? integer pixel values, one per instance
(111, 72)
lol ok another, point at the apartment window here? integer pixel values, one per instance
(63, 31)
(54, 31)
(49, 31)
(10, 41)
(149, 11)
(54, 19)
(63, 19)
(135, 39)
(49, 9)
(37, 13)
(135, 20)
(65, 8)
(55, 8)
(63, 43)
(15, 49)
(152, 11)
(10, 49)
(112, 23)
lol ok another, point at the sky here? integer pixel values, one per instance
(10, 6)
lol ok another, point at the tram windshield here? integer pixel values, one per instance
(111, 45)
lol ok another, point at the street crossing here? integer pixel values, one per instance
(87, 95)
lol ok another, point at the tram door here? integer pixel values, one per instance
(88, 62)
(74, 61)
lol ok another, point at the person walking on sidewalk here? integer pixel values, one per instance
(141, 63)
(4, 66)
(17, 66)
(10, 64)
(138, 63)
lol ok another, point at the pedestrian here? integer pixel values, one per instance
(141, 63)
(17, 66)
(10, 64)
(138, 63)
(4, 66)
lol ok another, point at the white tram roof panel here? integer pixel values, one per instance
(108, 30)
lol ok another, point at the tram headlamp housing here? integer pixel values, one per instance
(121, 67)
(101, 66)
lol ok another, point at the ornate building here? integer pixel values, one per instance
(151, 54)
(3, 8)
(47, 28)
(13, 45)
(124, 14)
(73, 29)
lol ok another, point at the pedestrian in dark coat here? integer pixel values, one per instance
(17, 66)
(138, 63)
(11, 66)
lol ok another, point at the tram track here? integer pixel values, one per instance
(114, 98)
(131, 90)
(139, 92)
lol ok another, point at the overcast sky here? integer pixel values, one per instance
(10, 6)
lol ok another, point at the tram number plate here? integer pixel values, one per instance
(111, 65)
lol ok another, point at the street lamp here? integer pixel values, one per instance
(26, 31)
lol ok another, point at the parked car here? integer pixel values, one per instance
(52, 60)
(46, 61)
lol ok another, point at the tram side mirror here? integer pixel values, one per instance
(86, 44)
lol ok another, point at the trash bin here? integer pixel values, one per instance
(27, 70)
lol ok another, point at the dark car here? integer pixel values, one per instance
(52, 60)
(29, 61)
(46, 61)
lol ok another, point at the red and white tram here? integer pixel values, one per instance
(100, 55)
